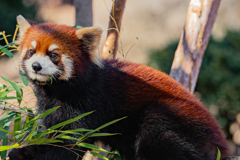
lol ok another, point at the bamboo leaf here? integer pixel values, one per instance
(3, 37)
(24, 78)
(3, 94)
(99, 155)
(103, 134)
(29, 138)
(13, 85)
(20, 96)
(78, 27)
(9, 44)
(45, 140)
(66, 137)
(43, 115)
(70, 120)
(17, 122)
(8, 120)
(91, 146)
(2, 86)
(218, 154)
(4, 131)
(6, 98)
(6, 52)
(4, 148)
(4, 142)
(103, 126)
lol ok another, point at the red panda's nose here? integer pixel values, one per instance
(36, 66)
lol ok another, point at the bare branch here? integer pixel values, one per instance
(15, 110)
(84, 14)
(110, 46)
(192, 45)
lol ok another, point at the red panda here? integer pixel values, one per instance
(164, 121)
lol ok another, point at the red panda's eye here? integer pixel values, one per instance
(31, 52)
(53, 55)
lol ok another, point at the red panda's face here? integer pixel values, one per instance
(50, 51)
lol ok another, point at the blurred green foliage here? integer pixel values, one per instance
(9, 9)
(219, 77)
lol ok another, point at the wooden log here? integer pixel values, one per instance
(194, 40)
(84, 15)
(110, 46)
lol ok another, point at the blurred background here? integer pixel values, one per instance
(158, 25)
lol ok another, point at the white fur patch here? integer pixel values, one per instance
(22, 54)
(48, 68)
(34, 44)
(52, 47)
(68, 65)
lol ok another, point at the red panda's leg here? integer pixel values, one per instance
(163, 136)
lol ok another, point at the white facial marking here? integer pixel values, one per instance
(48, 68)
(68, 65)
(22, 54)
(34, 44)
(52, 47)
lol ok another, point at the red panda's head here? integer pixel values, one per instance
(57, 51)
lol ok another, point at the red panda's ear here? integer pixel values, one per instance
(23, 25)
(90, 37)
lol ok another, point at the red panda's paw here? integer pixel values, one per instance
(25, 153)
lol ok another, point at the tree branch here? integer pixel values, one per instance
(84, 15)
(192, 45)
(110, 46)
(15, 110)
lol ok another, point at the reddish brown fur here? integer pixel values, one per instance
(53, 34)
(170, 92)
(147, 92)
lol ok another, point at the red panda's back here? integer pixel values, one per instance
(145, 85)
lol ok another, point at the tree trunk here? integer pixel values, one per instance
(110, 46)
(192, 45)
(84, 15)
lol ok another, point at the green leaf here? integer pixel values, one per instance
(6, 52)
(9, 44)
(66, 137)
(103, 126)
(2, 86)
(4, 131)
(4, 148)
(17, 122)
(78, 27)
(19, 86)
(8, 120)
(103, 134)
(91, 146)
(43, 115)
(24, 78)
(6, 98)
(99, 155)
(80, 130)
(70, 120)
(218, 154)
(45, 140)
(29, 138)
(3, 94)
(20, 96)
(3, 37)
(6, 117)
(5, 138)
(51, 79)
(13, 85)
